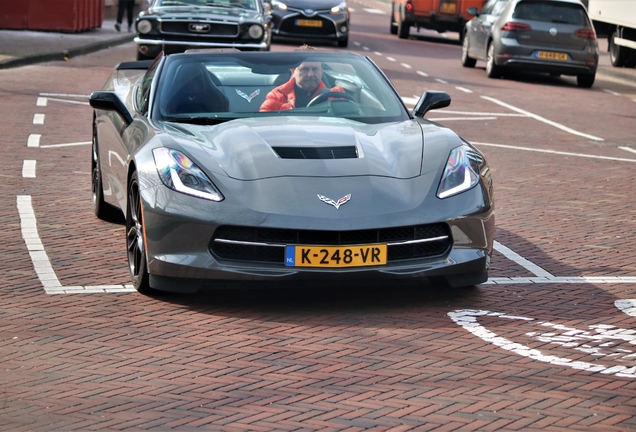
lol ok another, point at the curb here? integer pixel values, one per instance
(65, 54)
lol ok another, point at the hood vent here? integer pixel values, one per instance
(342, 152)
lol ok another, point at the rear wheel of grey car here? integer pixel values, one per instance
(585, 80)
(403, 29)
(342, 43)
(466, 60)
(618, 54)
(492, 70)
(135, 243)
(102, 209)
(393, 27)
(141, 56)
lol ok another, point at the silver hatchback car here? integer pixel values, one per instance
(549, 36)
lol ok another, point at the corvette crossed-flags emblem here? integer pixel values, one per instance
(336, 204)
(247, 97)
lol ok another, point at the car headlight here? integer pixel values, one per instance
(461, 172)
(341, 8)
(255, 31)
(179, 173)
(144, 26)
(279, 5)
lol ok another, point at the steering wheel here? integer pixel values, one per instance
(322, 97)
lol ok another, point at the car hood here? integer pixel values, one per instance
(199, 13)
(269, 147)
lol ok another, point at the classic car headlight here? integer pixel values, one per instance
(179, 173)
(341, 8)
(255, 31)
(144, 26)
(461, 172)
(279, 5)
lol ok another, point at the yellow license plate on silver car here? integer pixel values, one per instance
(336, 256)
(549, 55)
(308, 23)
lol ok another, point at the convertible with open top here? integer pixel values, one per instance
(351, 186)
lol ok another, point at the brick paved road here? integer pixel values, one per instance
(306, 357)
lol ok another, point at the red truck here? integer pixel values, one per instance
(439, 15)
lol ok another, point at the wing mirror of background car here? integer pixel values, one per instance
(431, 100)
(109, 101)
(472, 11)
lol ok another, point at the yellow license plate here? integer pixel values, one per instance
(447, 8)
(308, 23)
(336, 256)
(549, 55)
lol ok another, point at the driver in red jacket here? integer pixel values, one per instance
(304, 85)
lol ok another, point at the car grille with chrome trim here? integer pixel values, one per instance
(268, 244)
(183, 28)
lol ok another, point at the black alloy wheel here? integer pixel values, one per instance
(585, 81)
(403, 28)
(135, 243)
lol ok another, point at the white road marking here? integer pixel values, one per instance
(356, 43)
(424, 74)
(67, 144)
(34, 140)
(629, 149)
(465, 90)
(437, 119)
(516, 258)
(376, 11)
(28, 169)
(40, 259)
(38, 118)
(41, 102)
(391, 59)
(365, 48)
(482, 113)
(542, 119)
(410, 100)
(378, 53)
(64, 95)
(554, 152)
(611, 92)
(406, 65)
(441, 81)
(69, 101)
(468, 319)
(627, 306)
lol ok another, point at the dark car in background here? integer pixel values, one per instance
(311, 20)
(173, 26)
(549, 36)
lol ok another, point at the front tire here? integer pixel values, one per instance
(492, 70)
(393, 27)
(585, 81)
(135, 242)
(403, 29)
(467, 61)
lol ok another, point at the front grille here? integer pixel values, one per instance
(215, 29)
(342, 152)
(267, 244)
(288, 26)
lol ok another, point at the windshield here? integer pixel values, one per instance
(212, 88)
(243, 4)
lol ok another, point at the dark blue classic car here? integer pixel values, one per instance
(173, 26)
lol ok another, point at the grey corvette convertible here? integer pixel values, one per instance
(350, 186)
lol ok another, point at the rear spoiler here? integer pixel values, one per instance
(139, 64)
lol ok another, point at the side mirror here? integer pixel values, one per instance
(472, 11)
(109, 101)
(431, 100)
